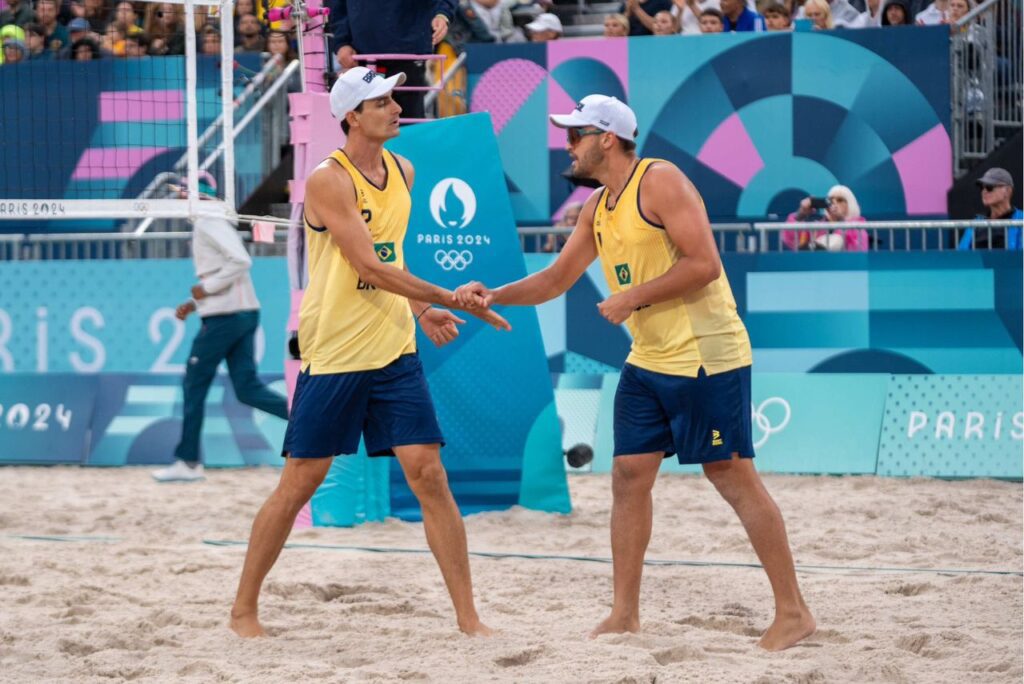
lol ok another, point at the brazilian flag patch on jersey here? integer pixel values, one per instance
(385, 251)
(623, 274)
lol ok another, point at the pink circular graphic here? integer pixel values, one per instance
(504, 88)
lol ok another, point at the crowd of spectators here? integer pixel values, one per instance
(99, 29)
(96, 29)
(505, 21)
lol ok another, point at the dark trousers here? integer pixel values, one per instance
(411, 102)
(228, 337)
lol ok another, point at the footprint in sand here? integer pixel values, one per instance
(909, 589)
(14, 580)
(678, 654)
(829, 636)
(76, 648)
(325, 592)
(202, 670)
(737, 610)
(913, 643)
(377, 608)
(520, 658)
(721, 624)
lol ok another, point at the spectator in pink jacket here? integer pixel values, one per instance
(842, 206)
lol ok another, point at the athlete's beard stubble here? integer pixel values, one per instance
(590, 161)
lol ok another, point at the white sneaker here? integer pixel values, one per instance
(179, 471)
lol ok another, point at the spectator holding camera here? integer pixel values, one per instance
(840, 205)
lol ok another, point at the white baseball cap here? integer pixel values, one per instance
(546, 22)
(600, 111)
(357, 85)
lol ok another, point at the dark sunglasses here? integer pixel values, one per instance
(990, 188)
(575, 133)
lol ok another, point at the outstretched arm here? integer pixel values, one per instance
(579, 252)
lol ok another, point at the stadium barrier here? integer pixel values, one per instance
(835, 424)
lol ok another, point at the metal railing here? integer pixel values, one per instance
(87, 246)
(985, 72)
(888, 236)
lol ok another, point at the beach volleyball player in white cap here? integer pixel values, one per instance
(361, 375)
(685, 387)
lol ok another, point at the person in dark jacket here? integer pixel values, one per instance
(897, 13)
(391, 27)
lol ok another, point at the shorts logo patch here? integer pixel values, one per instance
(716, 438)
(623, 274)
(385, 251)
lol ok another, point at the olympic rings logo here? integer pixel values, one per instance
(453, 259)
(764, 423)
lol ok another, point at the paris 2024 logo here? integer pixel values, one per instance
(453, 206)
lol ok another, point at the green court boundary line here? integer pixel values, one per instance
(540, 556)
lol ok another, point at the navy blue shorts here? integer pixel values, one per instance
(389, 406)
(701, 419)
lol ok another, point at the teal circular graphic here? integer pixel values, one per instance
(845, 116)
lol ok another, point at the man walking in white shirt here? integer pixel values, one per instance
(226, 301)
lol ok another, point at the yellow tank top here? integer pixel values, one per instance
(346, 325)
(679, 336)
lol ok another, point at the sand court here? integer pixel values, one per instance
(910, 580)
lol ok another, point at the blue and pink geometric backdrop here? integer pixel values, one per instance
(757, 121)
(105, 129)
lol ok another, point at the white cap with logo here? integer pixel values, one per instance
(600, 111)
(357, 85)
(546, 22)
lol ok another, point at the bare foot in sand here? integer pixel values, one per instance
(246, 625)
(616, 625)
(476, 629)
(787, 630)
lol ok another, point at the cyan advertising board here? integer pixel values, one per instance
(802, 423)
(118, 315)
(953, 426)
(46, 420)
(117, 419)
(877, 312)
